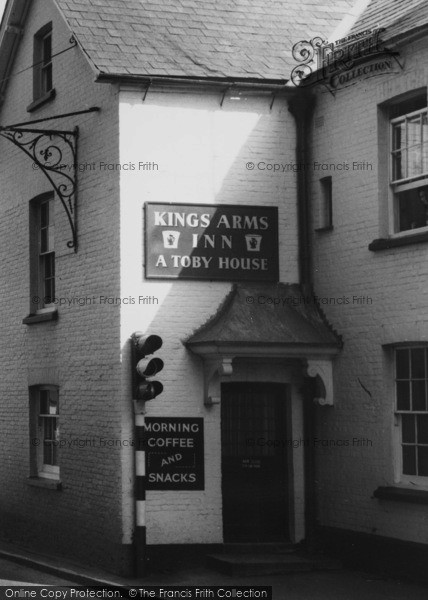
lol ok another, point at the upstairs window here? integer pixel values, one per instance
(43, 89)
(409, 163)
(46, 63)
(46, 252)
(42, 253)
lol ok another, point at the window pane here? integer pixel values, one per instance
(399, 165)
(51, 239)
(54, 454)
(49, 265)
(47, 78)
(418, 363)
(44, 214)
(403, 395)
(414, 157)
(44, 401)
(422, 421)
(402, 364)
(412, 209)
(418, 395)
(47, 49)
(49, 292)
(414, 130)
(409, 460)
(47, 453)
(425, 143)
(408, 429)
(48, 425)
(44, 240)
(423, 460)
(399, 136)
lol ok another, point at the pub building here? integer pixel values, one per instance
(184, 366)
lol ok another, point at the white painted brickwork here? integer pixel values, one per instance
(201, 150)
(396, 280)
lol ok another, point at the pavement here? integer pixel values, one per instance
(19, 566)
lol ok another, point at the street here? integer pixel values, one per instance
(12, 573)
(316, 585)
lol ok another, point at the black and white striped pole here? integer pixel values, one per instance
(144, 368)
(140, 492)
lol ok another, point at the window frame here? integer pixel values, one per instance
(46, 258)
(421, 481)
(405, 184)
(38, 421)
(43, 86)
(40, 257)
(325, 204)
(46, 66)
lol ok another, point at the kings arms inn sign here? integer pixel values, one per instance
(222, 242)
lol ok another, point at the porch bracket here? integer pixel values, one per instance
(214, 370)
(54, 153)
(322, 370)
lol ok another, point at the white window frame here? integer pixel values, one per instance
(49, 252)
(46, 65)
(42, 469)
(39, 254)
(41, 63)
(406, 183)
(421, 481)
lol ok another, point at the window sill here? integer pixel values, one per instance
(42, 100)
(41, 317)
(402, 494)
(407, 240)
(41, 482)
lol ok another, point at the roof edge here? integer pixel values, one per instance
(91, 63)
(9, 40)
(267, 84)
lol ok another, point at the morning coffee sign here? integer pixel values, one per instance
(188, 241)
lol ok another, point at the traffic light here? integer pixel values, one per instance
(145, 368)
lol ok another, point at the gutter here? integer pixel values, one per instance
(272, 85)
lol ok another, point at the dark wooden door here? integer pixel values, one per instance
(254, 462)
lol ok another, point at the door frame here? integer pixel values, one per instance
(282, 389)
(291, 373)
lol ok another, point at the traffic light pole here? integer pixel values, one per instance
(144, 367)
(140, 491)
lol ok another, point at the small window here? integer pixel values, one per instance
(43, 71)
(42, 249)
(409, 163)
(325, 212)
(44, 416)
(411, 381)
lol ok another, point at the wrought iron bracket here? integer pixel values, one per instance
(54, 153)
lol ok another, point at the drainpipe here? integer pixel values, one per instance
(301, 107)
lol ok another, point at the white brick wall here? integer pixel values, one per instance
(396, 280)
(202, 150)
